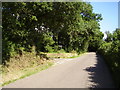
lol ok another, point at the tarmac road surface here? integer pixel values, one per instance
(86, 71)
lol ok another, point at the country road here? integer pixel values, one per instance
(86, 71)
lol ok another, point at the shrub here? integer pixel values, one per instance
(111, 54)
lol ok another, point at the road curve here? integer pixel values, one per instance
(86, 71)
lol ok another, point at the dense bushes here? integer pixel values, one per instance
(111, 53)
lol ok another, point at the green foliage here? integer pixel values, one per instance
(49, 48)
(111, 53)
(49, 27)
(109, 36)
(61, 51)
(95, 41)
(56, 27)
(56, 48)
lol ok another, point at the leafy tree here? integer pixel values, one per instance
(48, 25)
(109, 36)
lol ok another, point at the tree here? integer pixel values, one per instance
(48, 25)
(109, 36)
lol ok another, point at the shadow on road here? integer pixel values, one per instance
(99, 76)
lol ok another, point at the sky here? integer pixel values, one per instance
(109, 11)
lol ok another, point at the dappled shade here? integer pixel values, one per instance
(99, 75)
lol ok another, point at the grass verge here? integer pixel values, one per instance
(30, 71)
(28, 65)
(63, 55)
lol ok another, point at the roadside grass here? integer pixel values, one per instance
(63, 55)
(21, 67)
(77, 55)
(27, 72)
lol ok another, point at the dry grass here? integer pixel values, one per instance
(28, 64)
(20, 67)
(61, 55)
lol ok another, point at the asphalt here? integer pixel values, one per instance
(86, 71)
